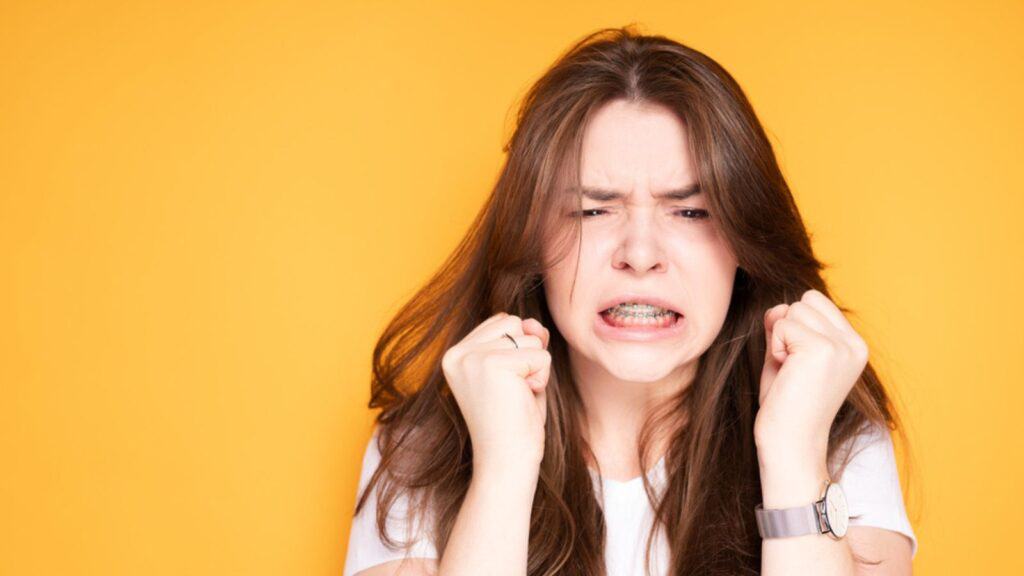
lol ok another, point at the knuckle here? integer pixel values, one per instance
(831, 346)
(860, 348)
(450, 358)
(530, 341)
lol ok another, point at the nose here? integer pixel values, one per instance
(640, 247)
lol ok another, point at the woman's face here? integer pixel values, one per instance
(639, 244)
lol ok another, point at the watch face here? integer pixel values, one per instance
(836, 512)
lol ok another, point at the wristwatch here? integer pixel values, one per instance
(829, 515)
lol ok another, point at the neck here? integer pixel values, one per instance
(616, 410)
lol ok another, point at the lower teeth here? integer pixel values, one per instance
(661, 320)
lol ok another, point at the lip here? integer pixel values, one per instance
(606, 331)
(640, 299)
(638, 333)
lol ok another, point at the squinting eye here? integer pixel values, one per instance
(694, 214)
(689, 214)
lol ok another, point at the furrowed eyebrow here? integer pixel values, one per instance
(601, 195)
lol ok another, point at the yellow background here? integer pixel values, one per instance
(208, 211)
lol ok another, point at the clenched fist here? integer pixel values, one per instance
(501, 389)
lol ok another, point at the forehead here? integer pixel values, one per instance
(628, 145)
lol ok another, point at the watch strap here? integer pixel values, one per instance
(795, 521)
(787, 521)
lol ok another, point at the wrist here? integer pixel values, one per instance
(777, 450)
(796, 483)
(501, 471)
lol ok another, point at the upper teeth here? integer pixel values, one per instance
(638, 309)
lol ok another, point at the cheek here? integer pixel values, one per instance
(557, 285)
(561, 269)
(570, 316)
(709, 271)
(721, 266)
(720, 275)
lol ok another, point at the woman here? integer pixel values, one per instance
(631, 350)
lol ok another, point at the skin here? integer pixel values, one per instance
(813, 358)
(643, 244)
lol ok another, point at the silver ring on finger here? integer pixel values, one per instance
(512, 339)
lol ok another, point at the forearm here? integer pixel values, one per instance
(791, 478)
(491, 532)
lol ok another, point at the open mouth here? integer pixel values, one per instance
(644, 319)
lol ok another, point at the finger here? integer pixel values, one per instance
(813, 319)
(541, 397)
(530, 364)
(538, 381)
(474, 334)
(790, 335)
(771, 317)
(771, 365)
(828, 309)
(534, 327)
(509, 323)
(522, 342)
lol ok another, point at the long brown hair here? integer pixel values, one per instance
(712, 471)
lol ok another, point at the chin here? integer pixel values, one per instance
(639, 370)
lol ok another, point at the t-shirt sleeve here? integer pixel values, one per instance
(365, 547)
(871, 483)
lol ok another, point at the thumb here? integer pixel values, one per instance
(541, 397)
(773, 351)
(540, 379)
(771, 363)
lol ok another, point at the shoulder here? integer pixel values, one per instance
(366, 547)
(871, 483)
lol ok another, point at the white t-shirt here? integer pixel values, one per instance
(870, 481)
